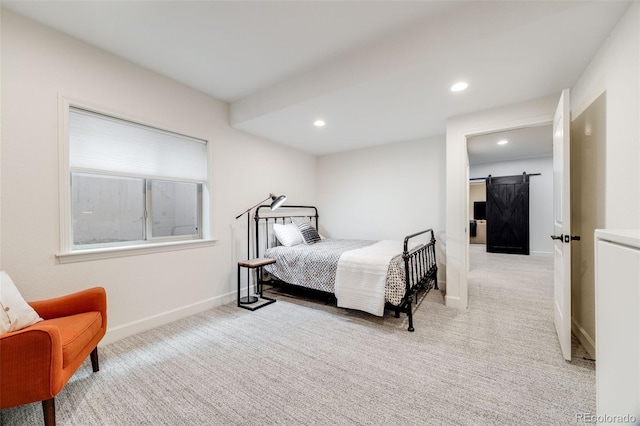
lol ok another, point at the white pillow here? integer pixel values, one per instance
(15, 313)
(288, 234)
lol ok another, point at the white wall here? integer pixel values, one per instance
(38, 66)
(384, 192)
(540, 195)
(616, 70)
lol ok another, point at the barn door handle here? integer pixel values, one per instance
(557, 237)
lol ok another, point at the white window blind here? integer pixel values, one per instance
(105, 144)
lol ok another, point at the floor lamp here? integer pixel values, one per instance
(276, 201)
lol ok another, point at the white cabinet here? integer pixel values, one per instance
(617, 270)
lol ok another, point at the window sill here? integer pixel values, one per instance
(113, 252)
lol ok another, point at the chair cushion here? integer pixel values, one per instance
(76, 331)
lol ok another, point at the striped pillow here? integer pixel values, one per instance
(308, 232)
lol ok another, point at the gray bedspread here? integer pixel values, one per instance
(314, 266)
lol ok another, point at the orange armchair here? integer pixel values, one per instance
(37, 361)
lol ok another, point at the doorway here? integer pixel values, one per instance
(530, 151)
(532, 113)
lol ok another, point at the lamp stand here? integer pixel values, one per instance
(275, 203)
(249, 299)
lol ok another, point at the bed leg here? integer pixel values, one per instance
(410, 315)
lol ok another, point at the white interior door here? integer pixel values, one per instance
(562, 224)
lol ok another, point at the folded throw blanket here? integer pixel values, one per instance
(362, 276)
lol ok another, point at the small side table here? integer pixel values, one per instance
(257, 263)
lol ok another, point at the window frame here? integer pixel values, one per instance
(69, 252)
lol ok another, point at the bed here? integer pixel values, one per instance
(362, 274)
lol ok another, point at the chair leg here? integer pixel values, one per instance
(49, 410)
(94, 360)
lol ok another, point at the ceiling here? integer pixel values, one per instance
(528, 142)
(375, 71)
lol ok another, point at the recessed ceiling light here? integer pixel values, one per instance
(503, 142)
(319, 123)
(459, 86)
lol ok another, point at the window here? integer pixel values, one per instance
(132, 184)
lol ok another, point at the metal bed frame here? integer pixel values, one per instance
(420, 267)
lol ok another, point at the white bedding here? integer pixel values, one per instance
(362, 276)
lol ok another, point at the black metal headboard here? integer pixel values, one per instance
(265, 218)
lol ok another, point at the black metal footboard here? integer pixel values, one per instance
(421, 273)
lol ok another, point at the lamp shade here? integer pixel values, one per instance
(277, 201)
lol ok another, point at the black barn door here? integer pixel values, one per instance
(508, 214)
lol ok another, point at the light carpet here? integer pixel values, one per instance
(302, 361)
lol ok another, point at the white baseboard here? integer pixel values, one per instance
(585, 340)
(542, 253)
(125, 330)
(453, 302)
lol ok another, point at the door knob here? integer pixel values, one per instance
(566, 238)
